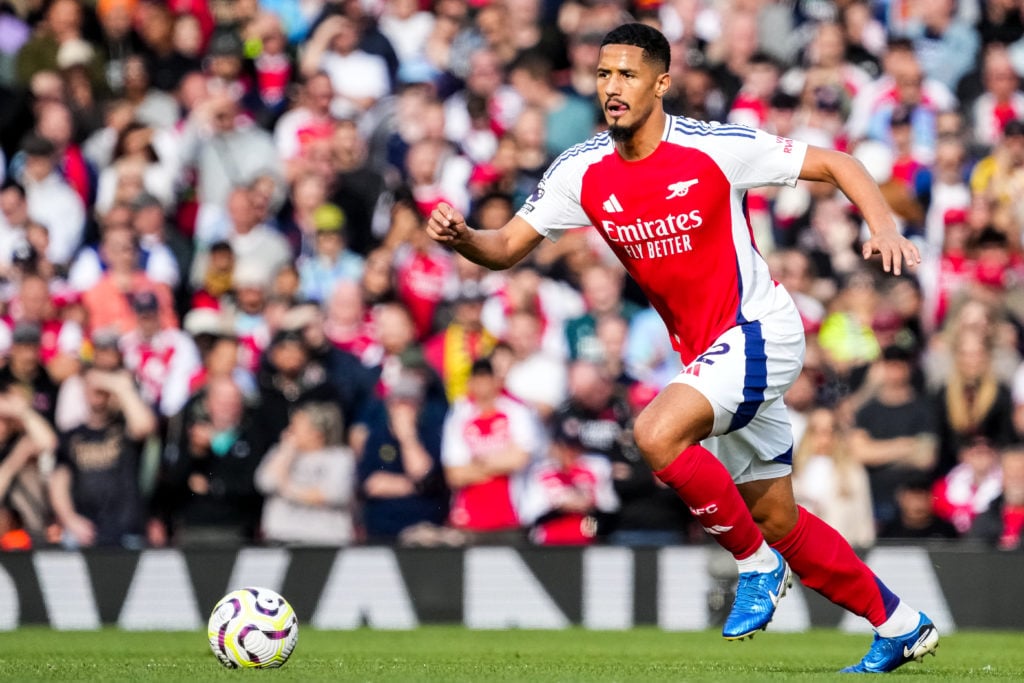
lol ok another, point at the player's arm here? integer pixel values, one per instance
(494, 249)
(850, 176)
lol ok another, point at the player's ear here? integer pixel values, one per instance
(662, 85)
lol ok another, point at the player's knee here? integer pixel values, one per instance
(660, 438)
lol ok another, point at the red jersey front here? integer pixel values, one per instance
(471, 435)
(676, 219)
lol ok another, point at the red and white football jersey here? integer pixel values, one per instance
(677, 219)
(470, 436)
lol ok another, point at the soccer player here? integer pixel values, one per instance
(667, 195)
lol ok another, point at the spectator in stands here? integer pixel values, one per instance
(226, 153)
(488, 443)
(25, 370)
(601, 286)
(107, 302)
(969, 488)
(650, 357)
(730, 54)
(991, 320)
(146, 216)
(331, 261)
(349, 325)
(401, 480)
(906, 84)
(915, 517)
(266, 46)
(1000, 102)
(151, 106)
(252, 240)
(568, 119)
(831, 484)
(894, 434)
(597, 410)
(846, 335)
(288, 377)
(455, 348)
(60, 341)
(485, 81)
(213, 448)
(422, 271)
(998, 177)
(94, 489)
(1002, 524)
(135, 153)
(24, 436)
(13, 221)
(570, 495)
(973, 401)
(162, 359)
(945, 44)
(62, 27)
(100, 351)
(51, 201)
(310, 119)
(407, 27)
(648, 513)
(351, 381)
(309, 481)
(536, 378)
(359, 78)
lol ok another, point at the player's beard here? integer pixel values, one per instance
(621, 133)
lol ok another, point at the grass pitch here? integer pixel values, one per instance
(454, 654)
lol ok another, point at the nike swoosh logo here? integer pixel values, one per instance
(909, 651)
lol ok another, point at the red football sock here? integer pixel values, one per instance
(707, 489)
(824, 561)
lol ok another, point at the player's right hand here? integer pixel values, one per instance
(446, 225)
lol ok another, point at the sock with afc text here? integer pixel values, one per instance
(707, 489)
(824, 561)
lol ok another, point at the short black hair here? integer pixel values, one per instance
(12, 184)
(650, 40)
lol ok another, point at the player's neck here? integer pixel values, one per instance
(645, 140)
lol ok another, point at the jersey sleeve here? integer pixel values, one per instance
(524, 429)
(454, 449)
(554, 206)
(752, 158)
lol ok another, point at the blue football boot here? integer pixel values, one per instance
(757, 595)
(887, 654)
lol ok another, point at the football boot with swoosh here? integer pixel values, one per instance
(887, 654)
(757, 596)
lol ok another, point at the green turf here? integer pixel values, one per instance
(451, 654)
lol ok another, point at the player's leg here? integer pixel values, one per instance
(824, 561)
(668, 434)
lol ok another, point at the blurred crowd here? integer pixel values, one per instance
(222, 321)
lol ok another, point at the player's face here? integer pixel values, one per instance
(628, 88)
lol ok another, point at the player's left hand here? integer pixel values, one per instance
(894, 249)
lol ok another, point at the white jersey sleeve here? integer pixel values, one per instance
(523, 426)
(554, 206)
(749, 157)
(454, 449)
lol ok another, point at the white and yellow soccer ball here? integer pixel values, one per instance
(253, 628)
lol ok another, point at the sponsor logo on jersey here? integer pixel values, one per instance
(717, 529)
(681, 188)
(611, 205)
(660, 237)
(787, 144)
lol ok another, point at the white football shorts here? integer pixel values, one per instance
(743, 375)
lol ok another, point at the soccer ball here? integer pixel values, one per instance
(253, 628)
